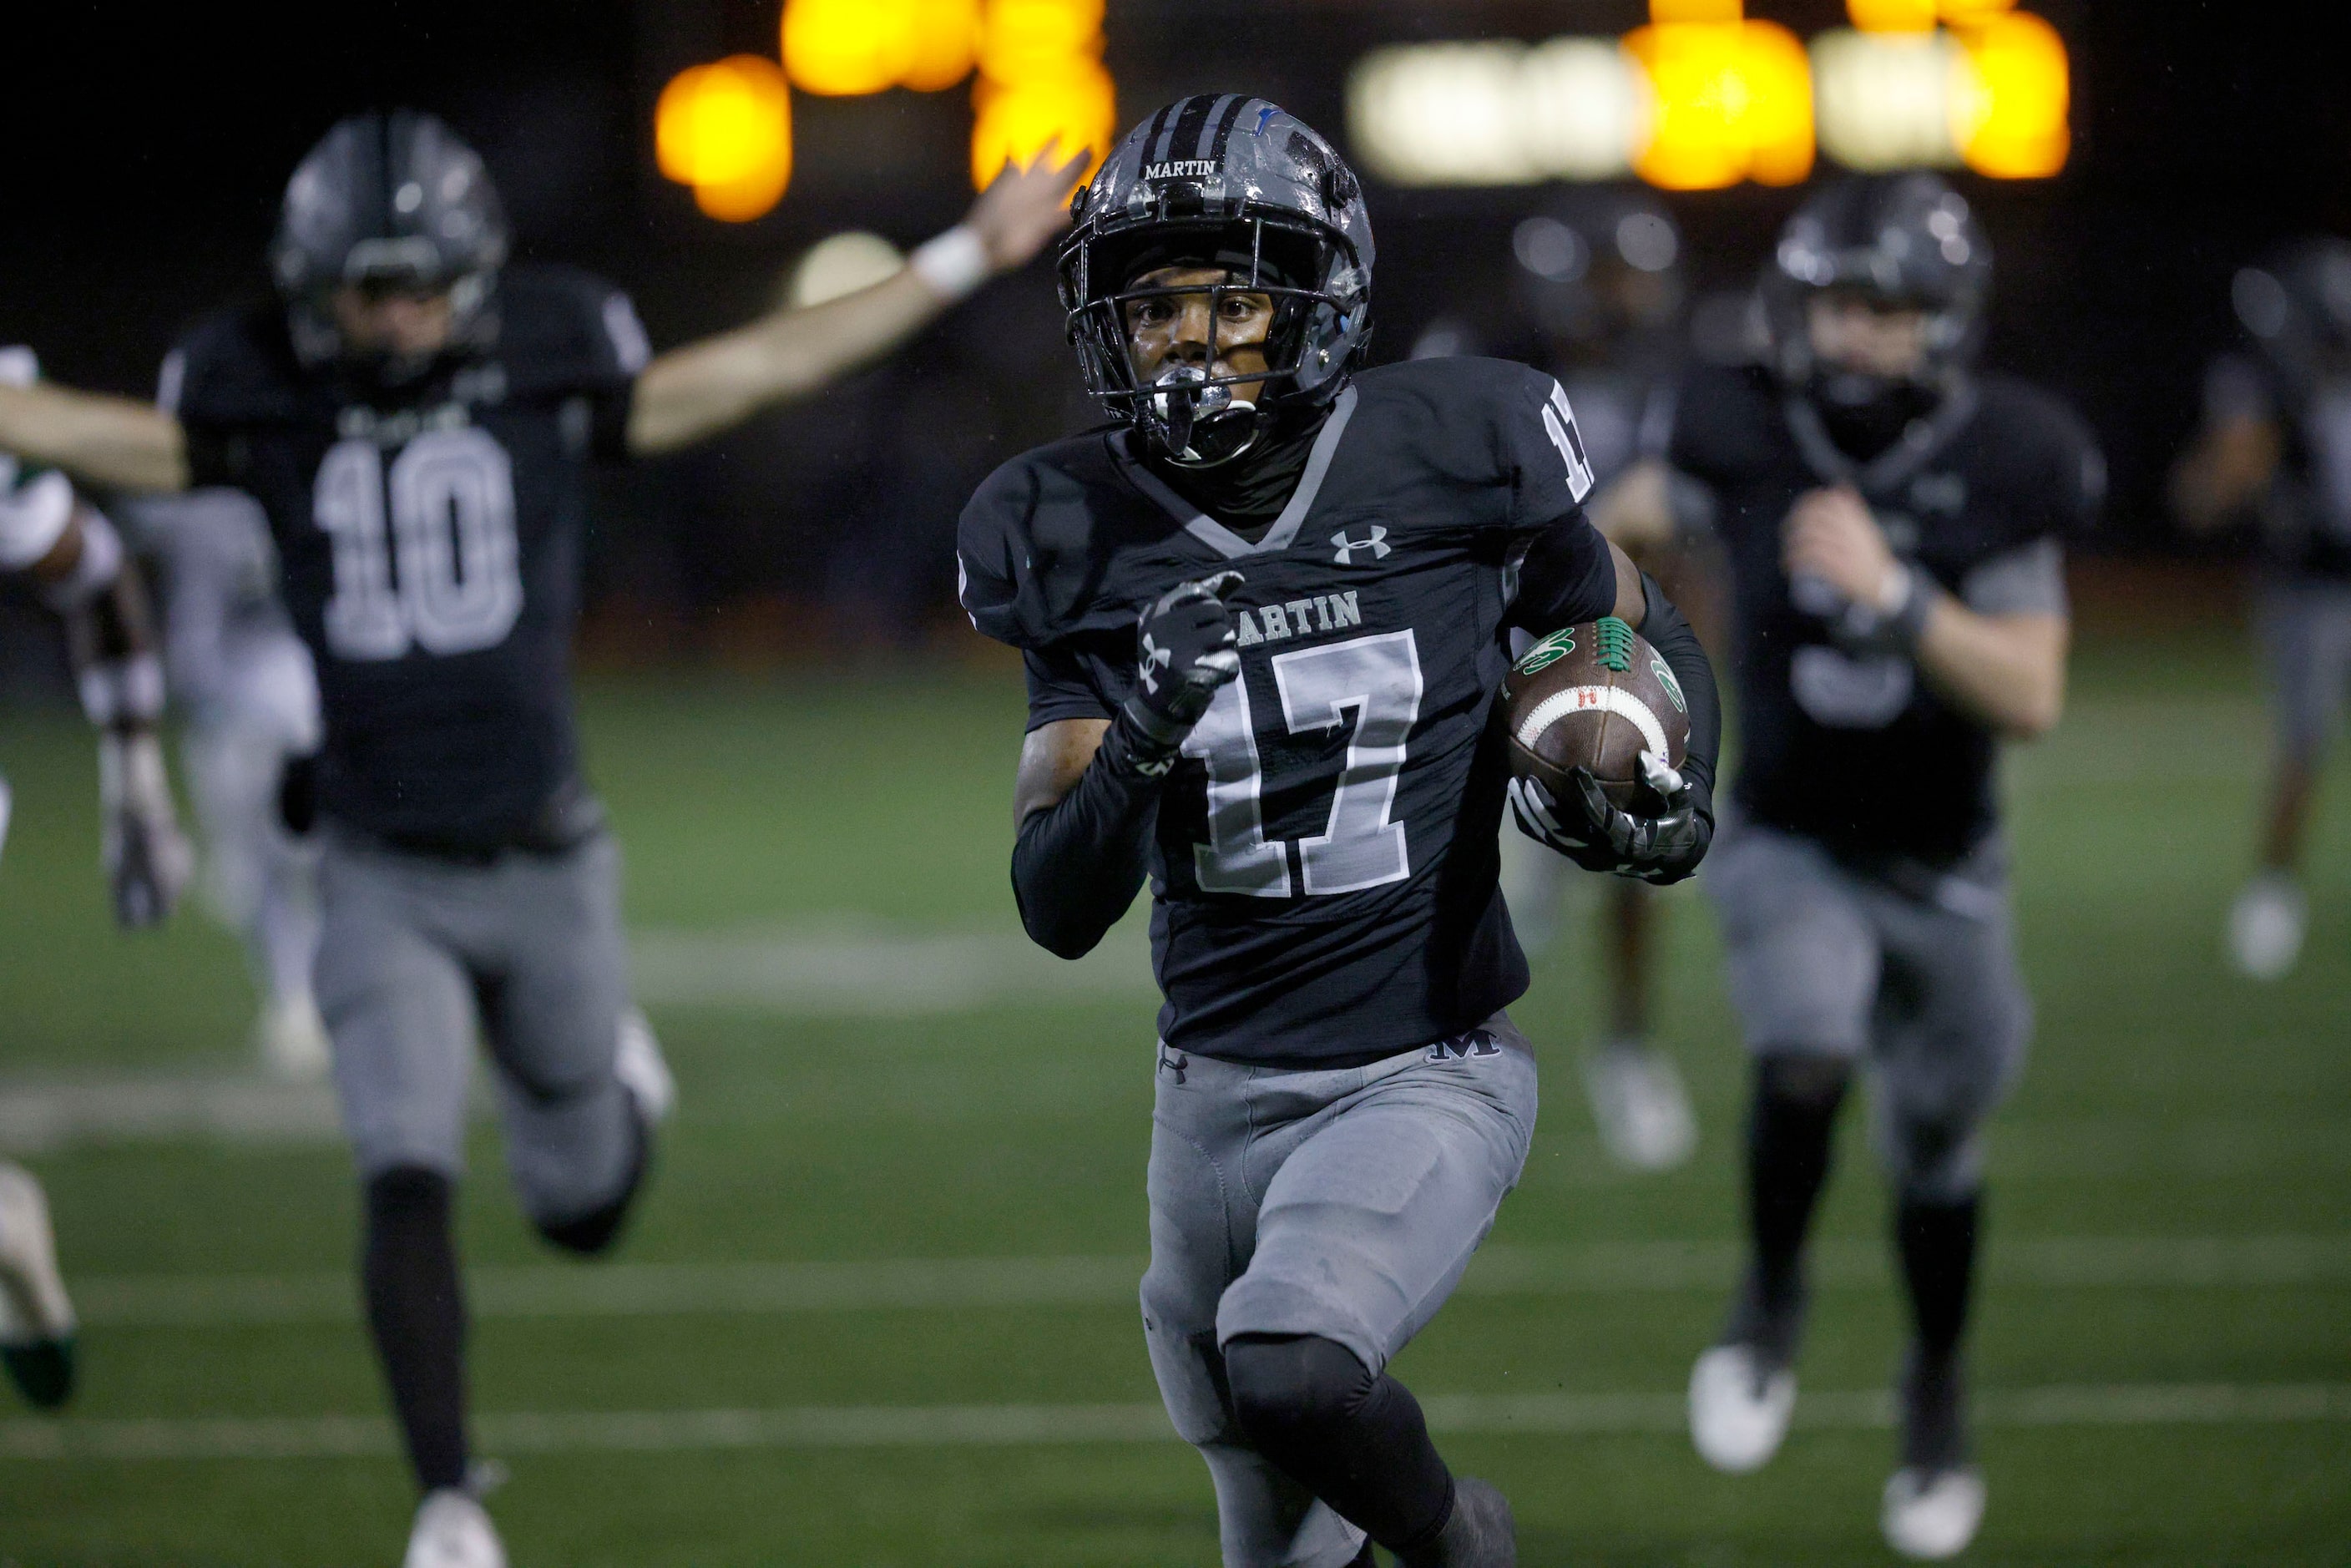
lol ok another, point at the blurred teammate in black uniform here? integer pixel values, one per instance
(73, 555)
(1264, 617)
(2277, 447)
(1892, 521)
(418, 421)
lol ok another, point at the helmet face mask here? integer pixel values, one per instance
(1270, 205)
(387, 205)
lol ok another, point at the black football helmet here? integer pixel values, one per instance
(1231, 181)
(390, 201)
(1905, 240)
(2296, 307)
(1599, 265)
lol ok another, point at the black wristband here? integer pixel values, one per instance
(1141, 742)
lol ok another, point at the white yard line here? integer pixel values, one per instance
(854, 969)
(1007, 1425)
(1606, 1269)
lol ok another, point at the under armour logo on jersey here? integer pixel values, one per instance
(1377, 544)
(1175, 1063)
(1155, 659)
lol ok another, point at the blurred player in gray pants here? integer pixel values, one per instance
(1893, 519)
(2275, 453)
(248, 701)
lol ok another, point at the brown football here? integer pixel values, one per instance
(1597, 696)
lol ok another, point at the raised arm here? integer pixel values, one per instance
(703, 388)
(118, 442)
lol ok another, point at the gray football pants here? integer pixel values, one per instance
(1921, 982)
(418, 951)
(1341, 1203)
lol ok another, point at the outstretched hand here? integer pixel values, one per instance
(1024, 207)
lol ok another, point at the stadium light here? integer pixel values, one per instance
(1892, 15)
(845, 48)
(725, 129)
(1733, 101)
(1012, 124)
(946, 44)
(2009, 111)
(1885, 98)
(842, 47)
(1575, 109)
(1040, 80)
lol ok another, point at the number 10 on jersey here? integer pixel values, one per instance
(1378, 678)
(444, 575)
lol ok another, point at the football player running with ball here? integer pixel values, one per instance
(1264, 618)
(1892, 522)
(74, 557)
(418, 422)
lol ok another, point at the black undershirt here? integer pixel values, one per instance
(1248, 493)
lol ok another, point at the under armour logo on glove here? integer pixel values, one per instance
(1377, 544)
(1155, 659)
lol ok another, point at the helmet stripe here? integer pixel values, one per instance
(1145, 153)
(1214, 150)
(1191, 123)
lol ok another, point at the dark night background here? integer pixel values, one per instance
(147, 148)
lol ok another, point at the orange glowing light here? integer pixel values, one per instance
(1971, 13)
(1892, 15)
(1731, 101)
(839, 48)
(2010, 100)
(1028, 40)
(1077, 108)
(1674, 11)
(946, 44)
(725, 129)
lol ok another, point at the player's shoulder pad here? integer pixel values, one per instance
(1728, 421)
(1455, 412)
(2044, 447)
(562, 324)
(233, 366)
(1035, 542)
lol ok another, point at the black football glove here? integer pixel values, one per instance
(1184, 652)
(1661, 846)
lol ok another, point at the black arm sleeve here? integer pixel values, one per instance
(1078, 864)
(1668, 632)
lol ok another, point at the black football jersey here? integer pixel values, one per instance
(1855, 750)
(429, 544)
(1324, 866)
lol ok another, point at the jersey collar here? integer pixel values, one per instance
(1222, 539)
(1915, 449)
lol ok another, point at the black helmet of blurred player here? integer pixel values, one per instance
(1875, 301)
(388, 207)
(2296, 307)
(1232, 185)
(1599, 270)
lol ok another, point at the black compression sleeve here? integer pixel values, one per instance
(1078, 864)
(1668, 632)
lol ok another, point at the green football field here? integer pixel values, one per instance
(878, 1307)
